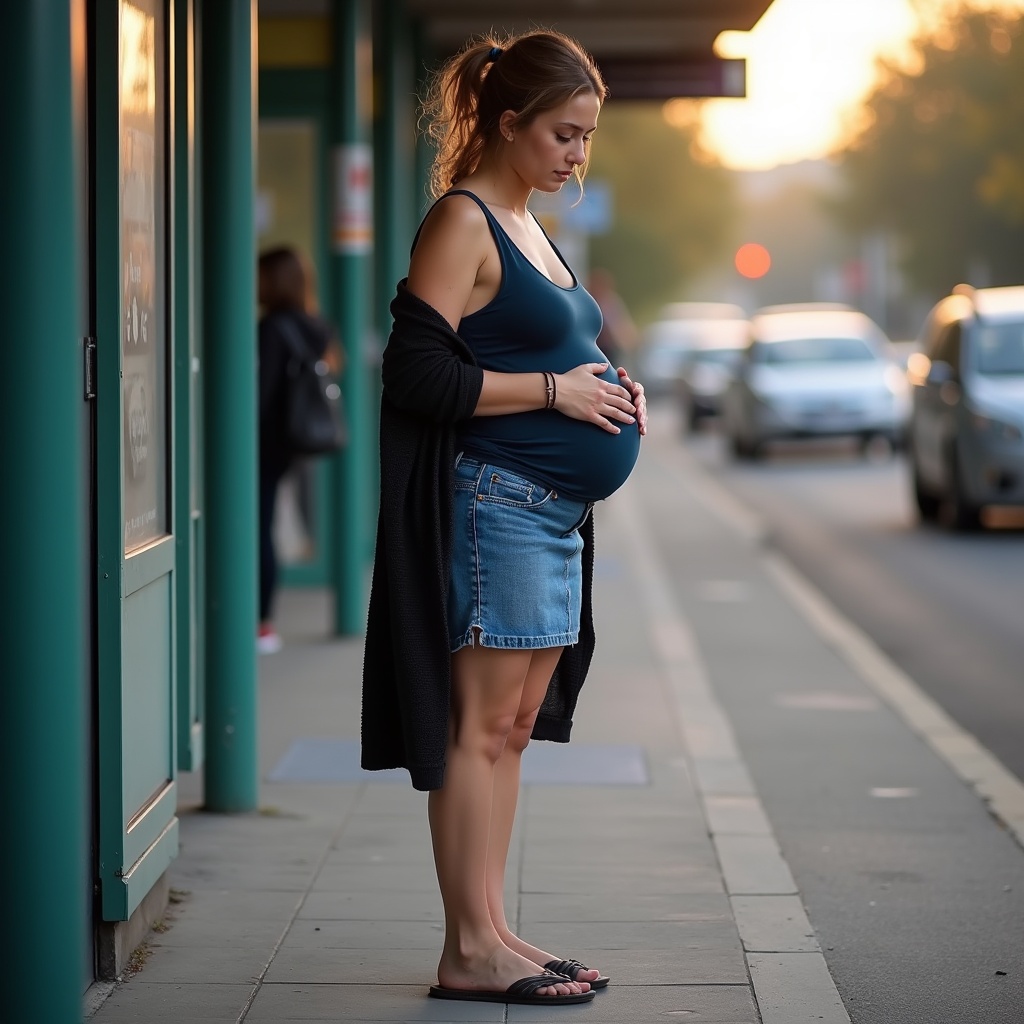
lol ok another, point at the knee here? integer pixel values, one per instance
(521, 731)
(488, 736)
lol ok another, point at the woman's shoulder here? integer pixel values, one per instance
(457, 216)
(451, 246)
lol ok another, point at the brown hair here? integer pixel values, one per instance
(285, 280)
(529, 74)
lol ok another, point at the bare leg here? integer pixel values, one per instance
(506, 796)
(487, 686)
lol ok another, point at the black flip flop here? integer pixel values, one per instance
(522, 992)
(570, 968)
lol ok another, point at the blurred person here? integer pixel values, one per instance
(618, 336)
(285, 292)
(501, 425)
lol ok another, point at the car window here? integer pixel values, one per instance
(999, 348)
(728, 357)
(818, 350)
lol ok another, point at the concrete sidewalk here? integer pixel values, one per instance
(642, 847)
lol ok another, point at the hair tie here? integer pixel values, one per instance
(495, 53)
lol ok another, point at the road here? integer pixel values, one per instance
(947, 608)
(913, 891)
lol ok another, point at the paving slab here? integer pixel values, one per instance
(205, 964)
(144, 1001)
(626, 1004)
(313, 933)
(396, 905)
(373, 966)
(393, 1002)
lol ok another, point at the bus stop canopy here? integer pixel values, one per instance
(647, 49)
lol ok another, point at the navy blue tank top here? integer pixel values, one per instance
(533, 324)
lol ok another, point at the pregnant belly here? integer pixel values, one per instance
(578, 459)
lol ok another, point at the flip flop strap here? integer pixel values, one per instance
(530, 986)
(569, 968)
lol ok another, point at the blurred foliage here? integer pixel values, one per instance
(673, 208)
(939, 159)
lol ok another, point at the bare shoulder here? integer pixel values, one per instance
(453, 222)
(452, 246)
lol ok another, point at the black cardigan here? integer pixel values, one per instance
(431, 382)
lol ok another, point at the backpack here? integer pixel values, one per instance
(313, 420)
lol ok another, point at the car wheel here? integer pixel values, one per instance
(958, 511)
(743, 449)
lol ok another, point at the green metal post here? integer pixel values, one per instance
(394, 152)
(227, 114)
(394, 134)
(351, 250)
(44, 520)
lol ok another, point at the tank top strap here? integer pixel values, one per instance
(508, 252)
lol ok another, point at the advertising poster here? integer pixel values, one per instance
(143, 341)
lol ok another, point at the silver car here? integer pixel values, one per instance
(966, 434)
(814, 371)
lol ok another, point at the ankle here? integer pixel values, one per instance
(466, 946)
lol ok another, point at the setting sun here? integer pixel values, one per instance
(808, 62)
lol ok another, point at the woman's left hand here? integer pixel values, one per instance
(639, 400)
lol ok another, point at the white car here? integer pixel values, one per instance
(814, 371)
(680, 329)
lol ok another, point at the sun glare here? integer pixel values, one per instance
(808, 62)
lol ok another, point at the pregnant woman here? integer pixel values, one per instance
(501, 424)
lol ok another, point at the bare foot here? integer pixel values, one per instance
(538, 956)
(495, 971)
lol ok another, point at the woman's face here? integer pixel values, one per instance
(547, 151)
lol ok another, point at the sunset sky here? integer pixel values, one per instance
(808, 63)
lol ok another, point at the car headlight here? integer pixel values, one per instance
(995, 427)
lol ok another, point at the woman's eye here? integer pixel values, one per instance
(562, 138)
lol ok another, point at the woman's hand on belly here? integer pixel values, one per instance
(582, 394)
(639, 399)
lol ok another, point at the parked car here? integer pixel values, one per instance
(811, 371)
(708, 367)
(669, 339)
(966, 433)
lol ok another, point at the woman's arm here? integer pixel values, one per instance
(452, 269)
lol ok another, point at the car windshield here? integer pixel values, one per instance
(817, 350)
(1000, 348)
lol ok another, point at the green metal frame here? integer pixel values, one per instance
(187, 391)
(135, 844)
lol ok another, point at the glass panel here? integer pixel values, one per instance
(143, 321)
(286, 215)
(1001, 348)
(286, 185)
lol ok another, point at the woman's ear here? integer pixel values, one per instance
(507, 125)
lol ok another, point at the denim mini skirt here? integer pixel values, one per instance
(517, 577)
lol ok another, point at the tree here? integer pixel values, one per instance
(939, 160)
(673, 207)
